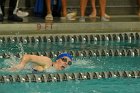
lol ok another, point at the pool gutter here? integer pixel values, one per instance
(60, 28)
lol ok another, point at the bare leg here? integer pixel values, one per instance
(64, 8)
(83, 4)
(65, 15)
(103, 10)
(48, 6)
(102, 7)
(49, 12)
(93, 14)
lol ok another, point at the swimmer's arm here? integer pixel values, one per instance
(39, 60)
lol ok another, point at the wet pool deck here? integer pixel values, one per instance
(36, 25)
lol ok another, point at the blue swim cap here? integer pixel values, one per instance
(64, 55)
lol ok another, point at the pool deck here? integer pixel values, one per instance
(36, 25)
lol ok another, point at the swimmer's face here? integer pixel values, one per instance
(64, 62)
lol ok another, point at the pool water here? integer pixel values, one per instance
(92, 86)
(80, 64)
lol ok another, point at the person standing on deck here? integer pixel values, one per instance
(103, 15)
(19, 12)
(49, 15)
(11, 15)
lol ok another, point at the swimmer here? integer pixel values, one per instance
(43, 63)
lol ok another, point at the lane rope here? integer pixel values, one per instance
(59, 77)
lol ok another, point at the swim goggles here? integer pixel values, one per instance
(66, 60)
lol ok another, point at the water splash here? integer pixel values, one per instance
(20, 47)
(13, 60)
(85, 63)
(51, 70)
